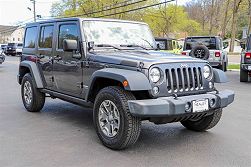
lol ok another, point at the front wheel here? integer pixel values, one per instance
(203, 123)
(114, 124)
(33, 99)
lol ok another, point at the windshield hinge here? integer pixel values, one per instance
(85, 64)
(140, 66)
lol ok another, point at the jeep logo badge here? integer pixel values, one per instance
(184, 65)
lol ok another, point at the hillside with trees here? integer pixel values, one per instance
(197, 17)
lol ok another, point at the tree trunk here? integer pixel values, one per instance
(223, 34)
(234, 22)
(249, 24)
(211, 18)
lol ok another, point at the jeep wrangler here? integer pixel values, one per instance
(245, 65)
(207, 48)
(113, 67)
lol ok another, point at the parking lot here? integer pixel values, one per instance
(63, 135)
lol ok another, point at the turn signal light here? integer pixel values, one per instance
(248, 55)
(217, 54)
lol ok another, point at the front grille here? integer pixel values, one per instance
(184, 79)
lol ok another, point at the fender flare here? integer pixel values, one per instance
(219, 76)
(34, 72)
(137, 81)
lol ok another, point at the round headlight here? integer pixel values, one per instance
(207, 72)
(155, 75)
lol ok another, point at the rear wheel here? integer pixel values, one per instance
(114, 124)
(243, 76)
(33, 99)
(203, 123)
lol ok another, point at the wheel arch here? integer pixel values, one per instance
(30, 67)
(137, 81)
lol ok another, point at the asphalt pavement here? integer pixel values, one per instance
(63, 135)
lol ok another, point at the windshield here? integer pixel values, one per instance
(118, 33)
(209, 42)
(11, 44)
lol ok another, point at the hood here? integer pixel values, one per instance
(134, 58)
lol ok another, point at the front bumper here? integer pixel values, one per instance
(169, 106)
(2, 59)
(11, 52)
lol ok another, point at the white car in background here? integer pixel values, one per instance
(19, 49)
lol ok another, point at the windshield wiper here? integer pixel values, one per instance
(108, 45)
(133, 45)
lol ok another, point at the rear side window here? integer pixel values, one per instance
(67, 31)
(30, 37)
(248, 43)
(46, 35)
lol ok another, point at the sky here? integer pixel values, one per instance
(12, 12)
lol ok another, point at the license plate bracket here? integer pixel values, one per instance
(200, 105)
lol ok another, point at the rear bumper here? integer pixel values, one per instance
(215, 63)
(246, 67)
(168, 106)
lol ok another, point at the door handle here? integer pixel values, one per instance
(57, 58)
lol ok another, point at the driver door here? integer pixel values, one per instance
(67, 71)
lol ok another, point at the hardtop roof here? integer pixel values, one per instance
(81, 19)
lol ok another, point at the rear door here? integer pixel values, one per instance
(45, 52)
(67, 70)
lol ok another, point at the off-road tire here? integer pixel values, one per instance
(223, 67)
(200, 47)
(38, 98)
(243, 76)
(204, 123)
(130, 126)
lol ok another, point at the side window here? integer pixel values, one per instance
(248, 45)
(67, 31)
(30, 37)
(46, 36)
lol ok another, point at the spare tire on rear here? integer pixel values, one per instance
(200, 52)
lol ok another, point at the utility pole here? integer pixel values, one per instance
(34, 9)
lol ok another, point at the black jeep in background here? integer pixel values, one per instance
(14, 49)
(245, 66)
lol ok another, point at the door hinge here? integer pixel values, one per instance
(85, 64)
(52, 79)
(80, 85)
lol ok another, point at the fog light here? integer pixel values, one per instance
(211, 85)
(155, 90)
(212, 103)
(188, 106)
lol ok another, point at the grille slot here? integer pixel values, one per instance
(184, 79)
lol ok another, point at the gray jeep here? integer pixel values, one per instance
(113, 67)
(208, 48)
(245, 65)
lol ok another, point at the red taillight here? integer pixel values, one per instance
(217, 54)
(248, 55)
(32, 58)
(184, 53)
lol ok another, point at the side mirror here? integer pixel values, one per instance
(70, 45)
(90, 45)
(158, 46)
(243, 46)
